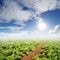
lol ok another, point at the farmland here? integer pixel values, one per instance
(16, 49)
(50, 51)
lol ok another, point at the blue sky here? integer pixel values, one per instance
(52, 17)
(23, 18)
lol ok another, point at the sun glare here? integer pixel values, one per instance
(42, 26)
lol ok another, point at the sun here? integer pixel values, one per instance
(42, 26)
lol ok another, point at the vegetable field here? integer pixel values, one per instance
(16, 49)
(50, 51)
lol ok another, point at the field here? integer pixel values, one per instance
(50, 51)
(16, 49)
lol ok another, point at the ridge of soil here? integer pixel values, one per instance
(32, 53)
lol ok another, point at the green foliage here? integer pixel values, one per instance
(14, 50)
(50, 51)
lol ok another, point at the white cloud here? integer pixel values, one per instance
(35, 33)
(21, 34)
(13, 11)
(41, 6)
(13, 28)
(39, 19)
(58, 4)
(55, 30)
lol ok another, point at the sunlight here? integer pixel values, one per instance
(42, 26)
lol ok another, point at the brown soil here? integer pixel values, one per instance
(32, 53)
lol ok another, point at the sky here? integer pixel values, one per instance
(29, 18)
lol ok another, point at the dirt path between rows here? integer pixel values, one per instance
(32, 53)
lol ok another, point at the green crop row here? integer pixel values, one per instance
(14, 50)
(50, 51)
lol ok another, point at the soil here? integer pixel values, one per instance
(32, 53)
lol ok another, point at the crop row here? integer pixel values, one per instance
(14, 50)
(50, 51)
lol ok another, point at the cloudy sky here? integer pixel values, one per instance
(29, 18)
